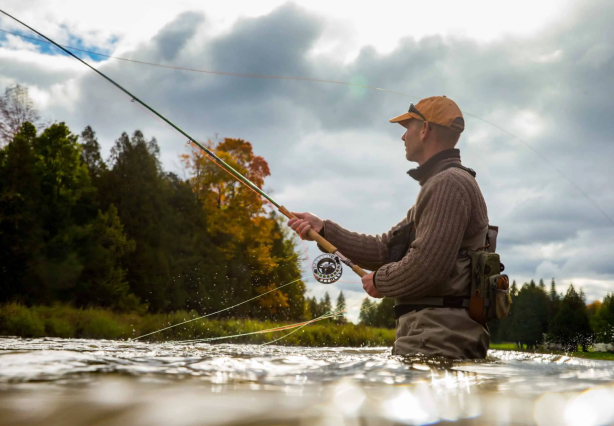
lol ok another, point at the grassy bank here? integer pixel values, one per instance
(578, 354)
(70, 322)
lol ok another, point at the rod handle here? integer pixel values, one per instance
(323, 242)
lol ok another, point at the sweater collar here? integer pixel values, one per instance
(431, 166)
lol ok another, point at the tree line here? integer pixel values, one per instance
(127, 235)
(538, 315)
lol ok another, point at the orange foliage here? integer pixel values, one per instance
(235, 213)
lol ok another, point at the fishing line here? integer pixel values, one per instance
(213, 313)
(263, 76)
(329, 314)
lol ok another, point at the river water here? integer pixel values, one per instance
(96, 382)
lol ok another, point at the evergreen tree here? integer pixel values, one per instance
(367, 312)
(51, 230)
(90, 153)
(384, 313)
(21, 230)
(602, 321)
(530, 315)
(341, 306)
(570, 327)
(326, 303)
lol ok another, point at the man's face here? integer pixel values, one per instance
(411, 138)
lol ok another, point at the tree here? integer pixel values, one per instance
(530, 320)
(21, 230)
(16, 109)
(367, 312)
(240, 227)
(602, 321)
(340, 308)
(90, 154)
(571, 326)
(59, 247)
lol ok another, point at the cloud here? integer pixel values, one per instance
(330, 147)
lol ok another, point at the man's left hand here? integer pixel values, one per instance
(367, 284)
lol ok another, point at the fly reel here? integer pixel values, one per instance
(327, 268)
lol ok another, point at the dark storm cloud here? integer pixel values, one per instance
(553, 89)
(174, 36)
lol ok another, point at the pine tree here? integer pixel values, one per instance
(367, 312)
(21, 230)
(530, 315)
(603, 320)
(326, 303)
(384, 313)
(90, 153)
(571, 327)
(341, 318)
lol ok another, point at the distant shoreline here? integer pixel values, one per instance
(66, 321)
(604, 356)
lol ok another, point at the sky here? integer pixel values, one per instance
(534, 80)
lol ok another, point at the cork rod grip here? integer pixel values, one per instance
(322, 242)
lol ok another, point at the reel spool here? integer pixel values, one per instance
(327, 268)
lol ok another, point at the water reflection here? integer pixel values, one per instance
(56, 381)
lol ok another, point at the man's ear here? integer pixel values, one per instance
(425, 130)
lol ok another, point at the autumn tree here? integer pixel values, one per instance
(257, 254)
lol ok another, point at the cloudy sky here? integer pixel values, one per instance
(541, 71)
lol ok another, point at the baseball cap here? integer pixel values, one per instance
(438, 110)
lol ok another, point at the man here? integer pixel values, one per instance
(422, 261)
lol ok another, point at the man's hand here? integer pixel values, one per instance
(305, 222)
(367, 284)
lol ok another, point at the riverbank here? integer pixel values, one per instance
(94, 323)
(606, 356)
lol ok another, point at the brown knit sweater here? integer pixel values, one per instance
(449, 208)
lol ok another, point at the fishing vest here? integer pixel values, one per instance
(467, 286)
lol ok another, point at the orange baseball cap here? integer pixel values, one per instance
(436, 109)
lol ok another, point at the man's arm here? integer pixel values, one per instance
(444, 213)
(367, 251)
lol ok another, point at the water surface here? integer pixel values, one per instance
(96, 382)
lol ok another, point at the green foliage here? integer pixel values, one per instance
(17, 320)
(134, 238)
(66, 321)
(340, 307)
(602, 321)
(378, 314)
(571, 327)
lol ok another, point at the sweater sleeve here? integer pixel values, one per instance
(444, 213)
(367, 251)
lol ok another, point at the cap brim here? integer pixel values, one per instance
(404, 117)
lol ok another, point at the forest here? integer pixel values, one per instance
(538, 316)
(124, 234)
